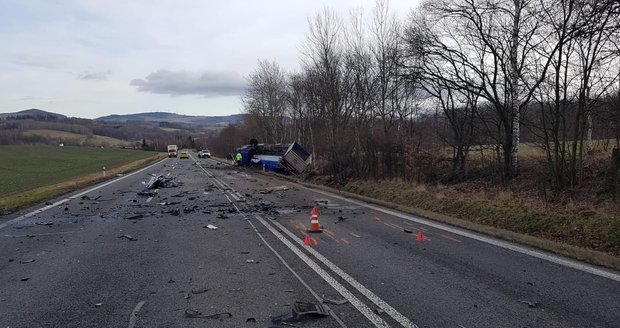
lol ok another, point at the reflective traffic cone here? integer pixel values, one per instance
(420, 236)
(314, 221)
(307, 240)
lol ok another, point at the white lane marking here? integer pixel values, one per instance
(495, 242)
(359, 305)
(376, 320)
(148, 200)
(43, 209)
(134, 314)
(392, 312)
(303, 282)
(233, 196)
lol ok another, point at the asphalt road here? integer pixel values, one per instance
(220, 246)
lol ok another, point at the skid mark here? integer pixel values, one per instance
(449, 238)
(330, 234)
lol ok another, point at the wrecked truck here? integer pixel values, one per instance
(291, 157)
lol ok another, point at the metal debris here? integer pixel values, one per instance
(335, 302)
(135, 217)
(303, 308)
(128, 237)
(531, 304)
(197, 314)
(199, 290)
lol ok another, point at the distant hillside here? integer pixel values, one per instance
(75, 139)
(172, 118)
(33, 113)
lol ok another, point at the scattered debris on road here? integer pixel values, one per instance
(531, 304)
(128, 237)
(189, 313)
(199, 290)
(272, 189)
(135, 217)
(303, 308)
(26, 261)
(210, 226)
(334, 302)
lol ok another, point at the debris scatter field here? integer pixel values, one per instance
(197, 243)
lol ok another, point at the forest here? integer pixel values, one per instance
(491, 90)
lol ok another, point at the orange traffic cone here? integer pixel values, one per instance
(420, 236)
(307, 240)
(314, 221)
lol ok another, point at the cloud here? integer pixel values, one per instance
(101, 76)
(208, 84)
(36, 60)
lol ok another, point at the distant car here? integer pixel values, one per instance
(204, 154)
(184, 154)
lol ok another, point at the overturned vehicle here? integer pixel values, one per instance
(282, 158)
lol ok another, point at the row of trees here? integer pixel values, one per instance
(379, 97)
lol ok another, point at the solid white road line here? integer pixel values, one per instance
(392, 312)
(359, 305)
(301, 280)
(62, 201)
(492, 241)
(365, 310)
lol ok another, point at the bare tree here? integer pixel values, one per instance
(266, 102)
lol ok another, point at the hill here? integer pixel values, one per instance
(34, 114)
(77, 139)
(172, 118)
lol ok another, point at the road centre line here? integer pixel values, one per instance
(62, 201)
(359, 305)
(401, 319)
(488, 240)
(303, 282)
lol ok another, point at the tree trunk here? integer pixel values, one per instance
(514, 92)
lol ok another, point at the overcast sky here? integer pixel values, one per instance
(93, 58)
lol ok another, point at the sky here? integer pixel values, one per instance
(91, 58)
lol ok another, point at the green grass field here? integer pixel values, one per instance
(27, 167)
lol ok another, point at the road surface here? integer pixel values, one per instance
(220, 246)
